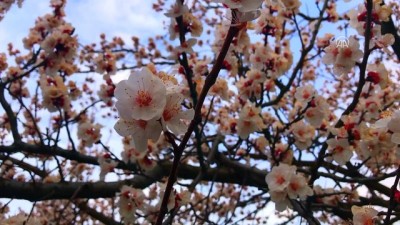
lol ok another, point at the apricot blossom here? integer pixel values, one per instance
(141, 97)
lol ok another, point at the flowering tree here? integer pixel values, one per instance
(238, 106)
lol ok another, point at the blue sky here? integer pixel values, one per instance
(90, 19)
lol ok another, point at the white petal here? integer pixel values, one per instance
(153, 130)
(396, 138)
(249, 16)
(177, 126)
(122, 91)
(382, 123)
(250, 5)
(124, 110)
(123, 127)
(140, 141)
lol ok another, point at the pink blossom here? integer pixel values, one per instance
(343, 58)
(298, 187)
(249, 120)
(279, 177)
(173, 114)
(305, 93)
(141, 97)
(176, 10)
(141, 131)
(363, 215)
(341, 150)
(106, 165)
(391, 123)
(89, 133)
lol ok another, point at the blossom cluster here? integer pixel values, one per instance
(284, 184)
(133, 200)
(363, 215)
(22, 218)
(344, 58)
(249, 121)
(147, 106)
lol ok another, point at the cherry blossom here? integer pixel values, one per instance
(221, 89)
(6, 5)
(89, 133)
(363, 215)
(186, 47)
(55, 93)
(177, 9)
(392, 124)
(303, 134)
(3, 62)
(22, 218)
(341, 150)
(130, 154)
(173, 114)
(378, 74)
(343, 58)
(279, 177)
(141, 97)
(317, 112)
(305, 93)
(358, 17)
(285, 184)
(280, 199)
(249, 120)
(130, 200)
(269, 24)
(383, 41)
(371, 106)
(251, 84)
(106, 63)
(107, 165)
(376, 143)
(281, 153)
(298, 187)
(190, 22)
(106, 92)
(141, 131)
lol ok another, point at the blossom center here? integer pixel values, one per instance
(168, 114)
(339, 149)
(368, 221)
(142, 124)
(294, 186)
(347, 52)
(280, 180)
(143, 98)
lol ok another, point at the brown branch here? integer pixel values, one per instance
(36, 191)
(25, 166)
(303, 212)
(389, 28)
(10, 114)
(393, 201)
(97, 215)
(357, 94)
(209, 82)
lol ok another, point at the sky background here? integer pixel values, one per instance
(90, 19)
